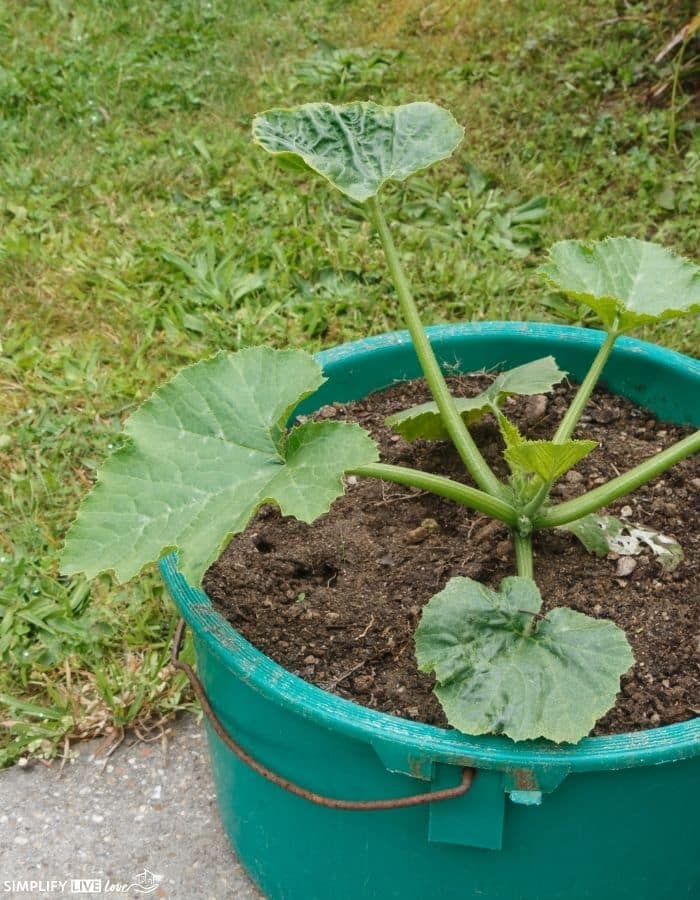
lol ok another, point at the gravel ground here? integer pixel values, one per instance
(148, 808)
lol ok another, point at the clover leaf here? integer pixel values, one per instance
(358, 147)
(206, 451)
(498, 674)
(625, 279)
(424, 420)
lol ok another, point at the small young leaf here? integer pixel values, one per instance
(495, 676)
(360, 146)
(424, 421)
(607, 534)
(207, 450)
(626, 279)
(510, 432)
(543, 458)
(547, 459)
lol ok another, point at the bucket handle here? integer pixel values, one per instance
(291, 786)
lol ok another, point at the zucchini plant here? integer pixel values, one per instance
(213, 445)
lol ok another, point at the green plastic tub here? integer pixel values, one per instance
(607, 819)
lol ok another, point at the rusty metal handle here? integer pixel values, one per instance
(291, 786)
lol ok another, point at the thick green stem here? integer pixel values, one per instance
(574, 412)
(578, 404)
(618, 487)
(463, 441)
(444, 487)
(523, 554)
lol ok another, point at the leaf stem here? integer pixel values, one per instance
(578, 404)
(575, 411)
(444, 487)
(618, 487)
(463, 441)
(523, 554)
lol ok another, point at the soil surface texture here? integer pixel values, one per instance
(336, 602)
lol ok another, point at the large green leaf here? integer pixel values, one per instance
(424, 421)
(607, 534)
(207, 450)
(626, 279)
(358, 147)
(496, 675)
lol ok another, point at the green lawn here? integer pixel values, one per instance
(141, 230)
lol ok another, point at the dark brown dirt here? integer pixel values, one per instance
(336, 602)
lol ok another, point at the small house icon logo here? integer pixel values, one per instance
(146, 881)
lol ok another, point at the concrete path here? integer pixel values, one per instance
(144, 813)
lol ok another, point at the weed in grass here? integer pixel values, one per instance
(342, 74)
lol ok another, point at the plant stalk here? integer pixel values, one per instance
(443, 487)
(523, 554)
(578, 404)
(618, 487)
(463, 441)
(574, 413)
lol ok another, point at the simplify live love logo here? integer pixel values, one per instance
(144, 883)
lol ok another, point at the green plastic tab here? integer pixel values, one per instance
(473, 820)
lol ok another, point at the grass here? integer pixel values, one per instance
(141, 231)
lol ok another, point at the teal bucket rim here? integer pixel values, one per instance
(235, 653)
